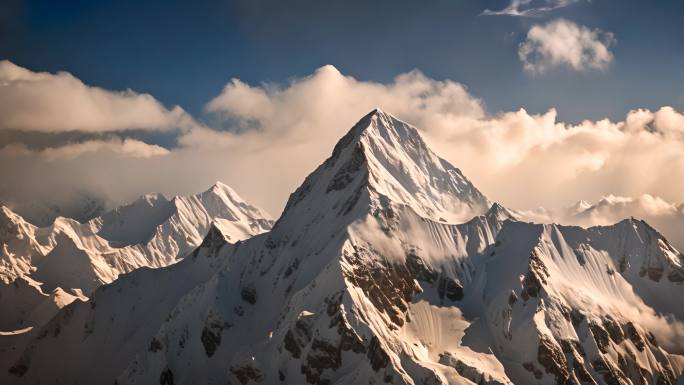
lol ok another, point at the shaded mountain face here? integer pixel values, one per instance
(387, 266)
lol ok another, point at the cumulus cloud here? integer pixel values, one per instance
(278, 133)
(529, 8)
(562, 43)
(40, 101)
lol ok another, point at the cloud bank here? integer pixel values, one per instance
(278, 133)
(562, 43)
(40, 101)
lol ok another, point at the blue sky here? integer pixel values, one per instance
(184, 52)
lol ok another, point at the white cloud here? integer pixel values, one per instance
(127, 147)
(528, 8)
(562, 43)
(40, 101)
(282, 132)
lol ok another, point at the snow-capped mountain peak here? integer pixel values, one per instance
(386, 157)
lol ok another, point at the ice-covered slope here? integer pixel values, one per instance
(364, 280)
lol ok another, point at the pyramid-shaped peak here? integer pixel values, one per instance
(379, 122)
(499, 212)
(220, 188)
(389, 157)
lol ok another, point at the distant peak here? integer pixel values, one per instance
(499, 212)
(220, 188)
(219, 185)
(151, 199)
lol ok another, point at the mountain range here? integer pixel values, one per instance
(44, 269)
(387, 266)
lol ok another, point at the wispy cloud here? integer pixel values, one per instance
(562, 43)
(528, 8)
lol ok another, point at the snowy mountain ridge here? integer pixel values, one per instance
(76, 258)
(366, 278)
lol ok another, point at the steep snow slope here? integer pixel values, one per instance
(363, 280)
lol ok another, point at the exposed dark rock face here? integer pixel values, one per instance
(377, 356)
(155, 345)
(553, 360)
(535, 277)
(614, 329)
(576, 317)
(247, 372)
(467, 371)
(297, 337)
(450, 288)
(634, 336)
(249, 294)
(655, 273)
(611, 374)
(419, 269)
(18, 370)
(677, 275)
(623, 264)
(166, 377)
(575, 353)
(291, 344)
(324, 353)
(211, 339)
(389, 287)
(212, 243)
(600, 336)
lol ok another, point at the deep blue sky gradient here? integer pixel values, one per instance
(184, 52)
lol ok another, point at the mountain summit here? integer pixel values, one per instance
(372, 275)
(388, 157)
